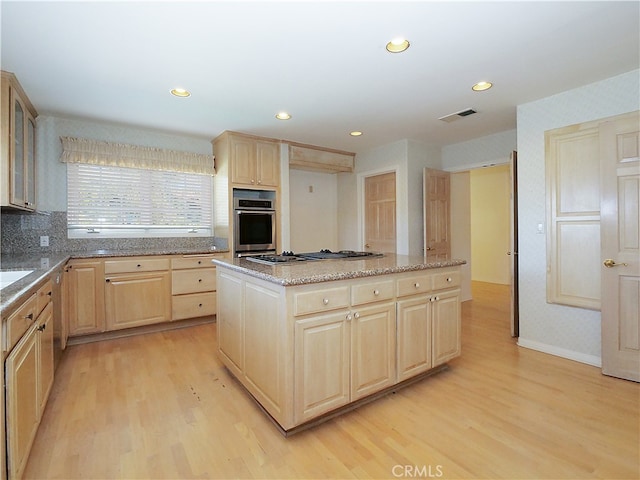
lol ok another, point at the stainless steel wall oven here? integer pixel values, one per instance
(254, 230)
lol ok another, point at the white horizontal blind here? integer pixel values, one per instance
(105, 201)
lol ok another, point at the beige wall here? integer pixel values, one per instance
(490, 224)
(461, 227)
(313, 214)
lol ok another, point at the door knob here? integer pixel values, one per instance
(609, 263)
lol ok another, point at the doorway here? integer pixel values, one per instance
(483, 229)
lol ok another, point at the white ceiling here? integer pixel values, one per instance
(323, 61)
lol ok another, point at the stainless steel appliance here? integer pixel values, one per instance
(325, 254)
(254, 226)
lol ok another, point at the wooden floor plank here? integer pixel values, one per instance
(161, 406)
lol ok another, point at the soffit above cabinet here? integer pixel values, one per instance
(318, 159)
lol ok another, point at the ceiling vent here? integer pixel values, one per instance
(452, 117)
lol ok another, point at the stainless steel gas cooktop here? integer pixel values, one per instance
(325, 254)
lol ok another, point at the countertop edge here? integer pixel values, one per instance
(346, 275)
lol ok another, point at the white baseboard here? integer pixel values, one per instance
(561, 352)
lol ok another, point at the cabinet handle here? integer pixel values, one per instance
(42, 327)
(108, 280)
(376, 292)
(29, 317)
(356, 315)
(436, 298)
(349, 317)
(417, 285)
(199, 262)
(199, 305)
(325, 301)
(449, 279)
(50, 293)
(199, 280)
(138, 265)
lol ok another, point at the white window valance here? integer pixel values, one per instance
(96, 152)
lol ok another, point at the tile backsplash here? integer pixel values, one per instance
(21, 232)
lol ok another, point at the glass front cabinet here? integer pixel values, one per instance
(18, 150)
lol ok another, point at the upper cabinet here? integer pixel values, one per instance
(18, 146)
(252, 161)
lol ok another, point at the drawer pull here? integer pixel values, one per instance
(42, 327)
(325, 301)
(29, 317)
(417, 285)
(349, 317)
(138, 265)
(449, 279)
(376, 292)
(199, 262)
(199, 305)
(436, 298)
(199, 280)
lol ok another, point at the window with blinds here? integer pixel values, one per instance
(107, 202)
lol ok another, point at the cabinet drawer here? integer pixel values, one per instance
(321, 300)
(419, 283)
(136, 264)
(193, 281)
(19, 322)
(193, 305)
(445, 280)
(372, 292)
(194, 261)
(44, 296)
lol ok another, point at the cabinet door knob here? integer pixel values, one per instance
(417, 285)
(349, 317)
(449, 279)
(199, 280)
(138, 265)
(356, 315)
(200, 305)
(325, 301)
(376, 292)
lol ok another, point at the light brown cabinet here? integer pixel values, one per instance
(193, 286)
(85, 296)
(29, 370)
(254, 161)
(18, 146)
(334, 343)
(137, 292)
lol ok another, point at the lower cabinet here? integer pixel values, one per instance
(446, 326)
(29, 370)
(414, 336)
(84, 284)
(136, 299)
(23, 406)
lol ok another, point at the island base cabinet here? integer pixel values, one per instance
(414, 336)
(373, 349)
(229, 321)
(263, 363)
(446, 327)
(21, 371)
(322, 346)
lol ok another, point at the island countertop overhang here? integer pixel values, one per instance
(318, 271)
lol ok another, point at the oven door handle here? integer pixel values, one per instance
(238, 212)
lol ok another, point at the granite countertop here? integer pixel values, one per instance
(316, 271)
(44, 264)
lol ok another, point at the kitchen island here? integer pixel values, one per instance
(313, 339)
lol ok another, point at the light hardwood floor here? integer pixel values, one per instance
(162, 406)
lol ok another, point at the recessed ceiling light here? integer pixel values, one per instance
(180, 92)
(481, 86)
(283, 116)
(398, 45)
(355, 133)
